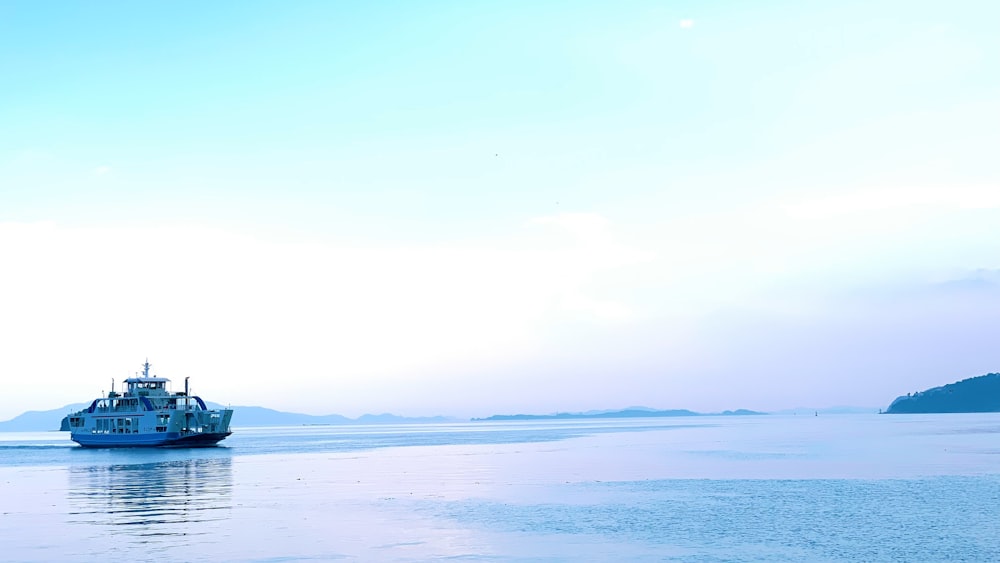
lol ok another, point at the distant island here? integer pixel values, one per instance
(634, 412)
(976, 394)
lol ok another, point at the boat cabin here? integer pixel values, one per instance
(146, 386)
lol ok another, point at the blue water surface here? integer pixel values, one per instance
(755, 488)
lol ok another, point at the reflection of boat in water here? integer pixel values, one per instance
(147, 414)
(153, 499)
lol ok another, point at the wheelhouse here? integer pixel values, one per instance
(146, 386)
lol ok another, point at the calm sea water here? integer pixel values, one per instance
(757, 488)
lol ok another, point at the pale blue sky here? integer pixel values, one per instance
(471, 208)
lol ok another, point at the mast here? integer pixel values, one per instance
(187, 407)
(145, 368)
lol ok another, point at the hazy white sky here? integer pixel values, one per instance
(521, 207)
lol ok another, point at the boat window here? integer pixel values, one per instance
(188, 403)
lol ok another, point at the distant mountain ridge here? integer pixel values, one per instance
(261, 416)
(55, 419)
(248, 416)
(975, 394)
(631, 412)
(39, 421)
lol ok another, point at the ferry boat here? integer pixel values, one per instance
(148, 414)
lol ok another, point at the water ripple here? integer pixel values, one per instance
(160, 499)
